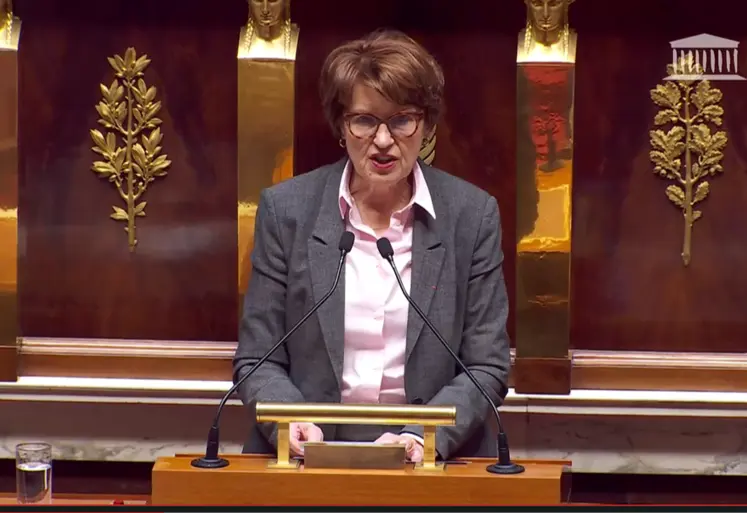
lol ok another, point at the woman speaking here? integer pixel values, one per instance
(381, 95)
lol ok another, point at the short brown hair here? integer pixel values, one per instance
(390, 62)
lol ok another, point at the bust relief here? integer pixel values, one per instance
(269, 33)
(547, 36)
(6, 13)
(10, 26)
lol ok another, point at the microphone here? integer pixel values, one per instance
(211, 459)
(504, 465)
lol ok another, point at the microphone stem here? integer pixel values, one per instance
(456, 358)
(258, 363)
(211, 458)
(286, 337)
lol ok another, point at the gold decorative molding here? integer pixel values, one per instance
(688, 107)
(428, 151)
(129, 110)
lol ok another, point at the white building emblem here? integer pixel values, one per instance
(712, 58)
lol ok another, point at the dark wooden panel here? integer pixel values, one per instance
(657, 489)
(324, 24)
(476, 46)
(77, 275)
(124, 480)
(630, 288)
(542, 375)
(119, 358)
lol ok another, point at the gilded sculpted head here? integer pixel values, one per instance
(6, 18)
(547, 18)
(6, 7)
(268, 14)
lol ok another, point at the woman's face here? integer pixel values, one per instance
(383, 139)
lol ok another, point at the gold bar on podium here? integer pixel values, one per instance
(283, 461)
(429, 451)
(369, 414)
(10, 31)
(545, 86)
(266, 103)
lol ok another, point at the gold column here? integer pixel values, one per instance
(545, 83)
(266, 75)
(10, 31)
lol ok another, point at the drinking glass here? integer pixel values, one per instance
(34, 473)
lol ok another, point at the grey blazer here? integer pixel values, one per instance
(457, 280)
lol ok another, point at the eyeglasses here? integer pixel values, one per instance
(363, 126)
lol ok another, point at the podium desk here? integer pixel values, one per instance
(248, 482)
(82, 499)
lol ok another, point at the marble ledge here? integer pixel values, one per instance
(599, 431)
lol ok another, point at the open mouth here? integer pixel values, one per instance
(383, 161)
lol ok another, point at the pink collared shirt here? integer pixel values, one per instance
(375, 309)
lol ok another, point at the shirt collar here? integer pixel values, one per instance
(420, 194)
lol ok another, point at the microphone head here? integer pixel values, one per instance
(346, 241)
(385, 248)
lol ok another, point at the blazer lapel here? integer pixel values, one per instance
(324, 256)
(427, 260)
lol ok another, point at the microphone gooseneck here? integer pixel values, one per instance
(504, 465)
(211, 458)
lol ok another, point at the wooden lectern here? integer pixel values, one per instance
(254, 480)
(248, 481)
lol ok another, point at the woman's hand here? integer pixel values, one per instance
(412, 446)
(302, 432)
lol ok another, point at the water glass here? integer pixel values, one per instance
(34, 473)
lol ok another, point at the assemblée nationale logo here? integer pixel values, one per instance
(710, 58)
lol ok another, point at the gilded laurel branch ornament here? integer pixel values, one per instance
(131, 145)
(690, 108)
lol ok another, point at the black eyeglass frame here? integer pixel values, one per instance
(419, 116)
